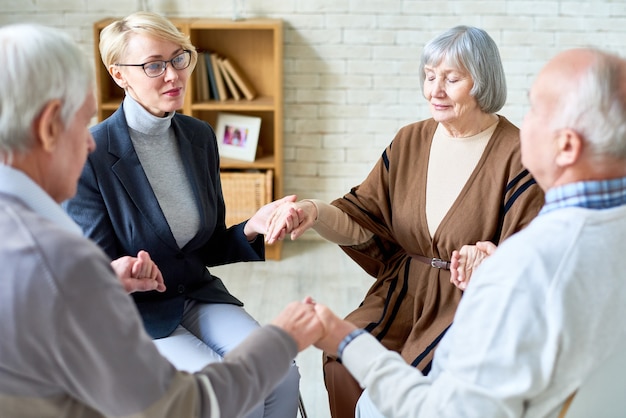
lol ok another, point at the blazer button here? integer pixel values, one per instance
(181, 288)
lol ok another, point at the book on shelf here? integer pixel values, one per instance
(239, 79)
(201, 79)
(234, 92)
(213, 94)
(219, 80)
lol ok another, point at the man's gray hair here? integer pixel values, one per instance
(595, 106)
(40, 64)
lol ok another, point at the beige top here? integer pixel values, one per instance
(451, 162)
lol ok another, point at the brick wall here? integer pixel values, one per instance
(350, 65)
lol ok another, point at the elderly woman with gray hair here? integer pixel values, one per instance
(448, 181)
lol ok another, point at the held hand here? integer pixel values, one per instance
(138, 274)
(336, 329)
(290, 218)
(300, 321)
(282, 221)
(257, 224)
(466, 260)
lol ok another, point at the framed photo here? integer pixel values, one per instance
(237, 136)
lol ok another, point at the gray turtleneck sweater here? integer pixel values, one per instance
(157, 148)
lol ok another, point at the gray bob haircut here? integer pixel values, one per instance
(40, 64)
(473, 50)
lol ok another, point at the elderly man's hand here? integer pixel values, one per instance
(300, 321)
(336, 329)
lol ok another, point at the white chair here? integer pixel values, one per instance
(186, 352)
(603, 394)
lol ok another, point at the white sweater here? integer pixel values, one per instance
(538, 317)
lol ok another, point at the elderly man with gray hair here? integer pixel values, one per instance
(73, 344)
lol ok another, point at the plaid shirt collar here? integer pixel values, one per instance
(601, 194)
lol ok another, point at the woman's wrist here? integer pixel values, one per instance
(250, 234)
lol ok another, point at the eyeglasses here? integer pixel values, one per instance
(156, 68)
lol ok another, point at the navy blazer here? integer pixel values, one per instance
(116, 207)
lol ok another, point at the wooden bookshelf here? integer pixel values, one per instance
(256, 46)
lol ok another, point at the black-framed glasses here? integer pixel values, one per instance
(156, 68)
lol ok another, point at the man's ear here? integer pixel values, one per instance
(569, 147)
(49, 125)
(117, 76)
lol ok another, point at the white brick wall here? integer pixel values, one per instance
(350, 66)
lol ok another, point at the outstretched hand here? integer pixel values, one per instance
(466, 260)
(138, 274)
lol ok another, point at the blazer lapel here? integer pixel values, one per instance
(133, 179)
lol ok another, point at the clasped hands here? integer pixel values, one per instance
(311, 323)
(465, 261)
(138, 274)
(288, 217)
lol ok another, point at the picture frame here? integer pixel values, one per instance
(237, 136)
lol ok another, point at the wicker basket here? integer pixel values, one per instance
(244, 193)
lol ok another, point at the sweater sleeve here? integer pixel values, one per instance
(338, 227)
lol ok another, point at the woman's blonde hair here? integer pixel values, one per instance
(114, 38)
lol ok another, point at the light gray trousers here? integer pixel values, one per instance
(222, 327)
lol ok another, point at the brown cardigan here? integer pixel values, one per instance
(411, 304)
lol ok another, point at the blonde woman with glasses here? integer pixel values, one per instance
(153, 183)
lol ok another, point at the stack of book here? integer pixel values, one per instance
(218, 78)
